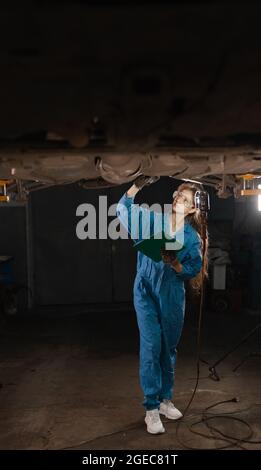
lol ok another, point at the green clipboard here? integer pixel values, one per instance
(151, 247)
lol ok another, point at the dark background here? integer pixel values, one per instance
(159, 75)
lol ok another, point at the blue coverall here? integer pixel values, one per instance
(159, 300)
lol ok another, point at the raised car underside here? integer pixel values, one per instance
(104, 93)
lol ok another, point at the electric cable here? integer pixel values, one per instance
(217, 434)
(198, 330)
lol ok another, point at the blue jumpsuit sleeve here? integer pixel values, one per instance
(192, 265)
(138, 221)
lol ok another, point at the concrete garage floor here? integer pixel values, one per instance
(69, 379)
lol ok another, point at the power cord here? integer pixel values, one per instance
(198, 338)
(214, 433)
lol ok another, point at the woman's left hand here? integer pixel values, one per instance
(176, 265)
(171, 258)
(167, 257)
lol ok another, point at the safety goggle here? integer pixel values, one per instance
(178, 194)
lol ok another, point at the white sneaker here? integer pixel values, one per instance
(168, 409)
(153, 421)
